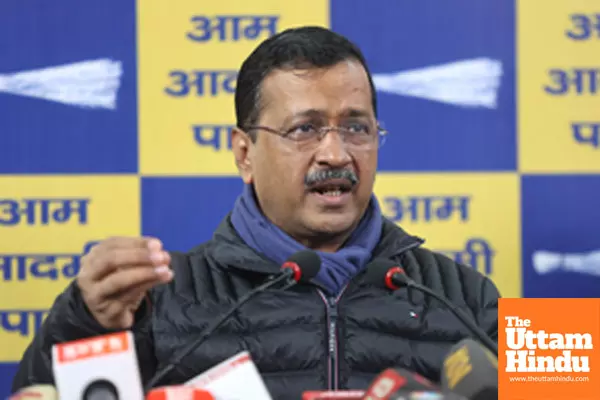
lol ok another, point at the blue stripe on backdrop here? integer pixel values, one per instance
(70, 138)
(560, 216)
(7, 371)
(183, 212)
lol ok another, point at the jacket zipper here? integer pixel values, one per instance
(333, 315)
(332, 338)
(332, 319)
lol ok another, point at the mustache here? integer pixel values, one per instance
(316, 177)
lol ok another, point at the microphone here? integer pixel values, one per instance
(37, 392)
(386, 272)
(179, 393)
(401, 384)
(103, 367)
(101, 389)
(471, 370)
(390, 380)
(223, 380)
(301, 266)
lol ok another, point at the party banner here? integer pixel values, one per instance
(471, 218)
(46, 225)
(68, 87)
(559, 86)
(445, 80)
(189, 56)
(116, 119)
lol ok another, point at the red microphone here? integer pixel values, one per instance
(303, 265)
(395, 278)
(179, 393)
(294, 270)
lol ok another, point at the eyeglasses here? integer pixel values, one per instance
(357, 135)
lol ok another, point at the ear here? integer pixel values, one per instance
(242, 146)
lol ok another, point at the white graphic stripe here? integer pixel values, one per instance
(88, 84)
(466, 83)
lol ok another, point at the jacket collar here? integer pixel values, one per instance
(228, 248)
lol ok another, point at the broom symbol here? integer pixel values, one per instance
(465, 83)
(86, 84)
(94, 84)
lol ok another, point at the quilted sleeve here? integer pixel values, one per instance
(69, 320)
(488, 308)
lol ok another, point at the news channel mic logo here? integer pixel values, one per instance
(46, 225)
(470, 218)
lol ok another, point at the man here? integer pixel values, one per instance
(306, 146)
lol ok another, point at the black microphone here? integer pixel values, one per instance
(386, 273)
(101, 389)
(471, 370)
(301, 266)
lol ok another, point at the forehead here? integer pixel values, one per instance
(333, 90)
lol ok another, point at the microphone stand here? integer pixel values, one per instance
(287, 274)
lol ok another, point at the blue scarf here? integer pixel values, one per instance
(337, 269)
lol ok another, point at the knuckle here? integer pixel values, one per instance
(92, 299)
(86, 257)
(86, 260)
(99, 247)
(109, 314)
(92, 255)
(82, 281)
(112, 258)
(97, 260)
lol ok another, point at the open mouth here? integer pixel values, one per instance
(332, 188)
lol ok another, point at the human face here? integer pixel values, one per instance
(334, 96)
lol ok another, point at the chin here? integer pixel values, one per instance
(331, 224)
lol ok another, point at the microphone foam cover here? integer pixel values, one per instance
(377, 271)
(309, 263)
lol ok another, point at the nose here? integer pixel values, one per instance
(332, 151)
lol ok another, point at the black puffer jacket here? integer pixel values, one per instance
(299, 339)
